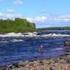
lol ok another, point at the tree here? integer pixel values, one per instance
(17, 25)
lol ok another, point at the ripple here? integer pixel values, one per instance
(4, 41)
(57, 49)
(17, 40)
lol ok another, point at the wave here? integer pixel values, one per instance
(56, 35)
(11, 35)
(29, 34)
(4, 41)
(17, 40)
(57, 49)
(33, 35)
(13, 40)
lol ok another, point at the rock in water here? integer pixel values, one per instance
(67, 43)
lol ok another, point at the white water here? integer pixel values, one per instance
(32, 35)
(17, 40)
(11, 35)
(56, 35)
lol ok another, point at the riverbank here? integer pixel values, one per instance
(59, 63)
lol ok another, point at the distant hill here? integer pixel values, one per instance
(54, 28)
(17, 25)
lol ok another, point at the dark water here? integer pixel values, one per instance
(14, 49)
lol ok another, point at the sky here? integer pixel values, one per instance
(44, 13)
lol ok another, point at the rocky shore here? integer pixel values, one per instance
(59, 63)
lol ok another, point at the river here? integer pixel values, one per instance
(14, 49)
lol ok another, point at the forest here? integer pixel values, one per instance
(16, 25)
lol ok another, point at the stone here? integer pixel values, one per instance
(67, 43)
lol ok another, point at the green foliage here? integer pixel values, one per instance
(17, 25)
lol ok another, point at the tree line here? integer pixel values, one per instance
(16, 25)
(55, 28)
(59, 28)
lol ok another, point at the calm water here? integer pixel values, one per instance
(15, 49)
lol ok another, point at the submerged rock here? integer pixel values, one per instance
(67, 43)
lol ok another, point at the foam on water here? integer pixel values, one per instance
(32, 35)
(17, 40)
(12, 35)
(56, 35)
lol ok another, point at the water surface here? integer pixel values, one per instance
(14, 49)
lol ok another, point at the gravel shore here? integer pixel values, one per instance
(59, 63)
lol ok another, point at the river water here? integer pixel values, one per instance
(14, 49)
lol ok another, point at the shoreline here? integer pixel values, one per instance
(58, 63)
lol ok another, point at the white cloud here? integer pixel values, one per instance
(29, 19)
(18, 2)
(40, 18)
(49, 19)
(1, 14)
(64, 18)
(37, 19)
(9, 13)
(6, 15)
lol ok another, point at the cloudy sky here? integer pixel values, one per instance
(44, 13)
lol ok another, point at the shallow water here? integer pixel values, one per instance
(14, 49)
